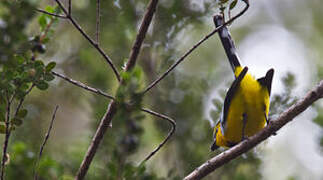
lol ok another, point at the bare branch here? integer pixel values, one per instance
(141, 34)
(70, 7)
(104, 125)
(98, 18)
(51, 14)
(81, 85)
(171, 132)
(94, 44)
(274, 125)
(44, 143)
(182, 58)
(112, 109)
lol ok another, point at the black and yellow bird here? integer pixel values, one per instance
(246, 105)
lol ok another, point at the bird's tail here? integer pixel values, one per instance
(227, 42)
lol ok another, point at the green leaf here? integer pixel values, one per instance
(16, 121)
(233, 4)
(50, 9)
(50, 66)
(39, 63)
(42, 85)
(20, 59)
(22, 113)
(42, 21)
(2, 129)
(49, 77)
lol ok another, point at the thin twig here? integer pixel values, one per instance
(51, 14)
(81, 85)
(23, 99)
(170, 133)
(112, 109)
(6, 141)
(44, 143)
(87, 37)
(98, 18)
(182, 58)
(273, 126)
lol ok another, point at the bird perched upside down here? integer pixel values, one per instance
(246, 105)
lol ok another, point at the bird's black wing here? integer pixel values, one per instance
(230, 94)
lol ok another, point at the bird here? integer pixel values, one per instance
(246, 104)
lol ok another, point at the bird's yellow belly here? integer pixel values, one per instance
(249, 102)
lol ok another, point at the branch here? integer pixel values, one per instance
(51, 14)
(83, 86)
(274, 125)
(112, 109)
(44, 143)
(171, 132)
(141, 34)
(182, 58)
(94, 44)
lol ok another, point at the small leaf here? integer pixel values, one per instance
(39, 63)
(2, 129)
(42, 85)
(49, 77)
(22, 113)
(16, 121)
(50, 66)
(233, 4)
(50, 9)
(42, 21)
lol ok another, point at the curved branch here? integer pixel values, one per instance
(274, 125)
(170, 133)
(182, 58)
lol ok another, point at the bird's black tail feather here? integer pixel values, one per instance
(227, 42)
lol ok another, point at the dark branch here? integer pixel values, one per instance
(83, 86)
(51, 14)
(70, 7)
(171, 132)
(44, 143)
(112, 109)
(94, 44)
(182, 58)
(274, 125)
(141, 34)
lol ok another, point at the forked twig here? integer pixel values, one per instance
(244, 146)
(86, 36)
(182, 58)
(82, 85)
(44, 143)
(170, 133)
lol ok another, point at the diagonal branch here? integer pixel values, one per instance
(44, 143)
(87, 37)
(141, 34)
(182, 58)
(112, 109)
(274, 125)
(171, 132)
(83, 86)
(51, 14)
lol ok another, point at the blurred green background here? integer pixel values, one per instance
(285, 35)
